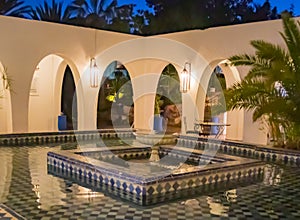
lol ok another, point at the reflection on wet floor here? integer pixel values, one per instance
(26, 188)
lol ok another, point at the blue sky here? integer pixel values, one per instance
(284, 4)
(281, 4)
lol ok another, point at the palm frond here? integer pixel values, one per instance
(13, 8)
(291, 33)
(6, 79)
(246, 94)
(268, 51)
(276, 106)
(291, 37)
(50, 12)
(242, 60)
(258, 71)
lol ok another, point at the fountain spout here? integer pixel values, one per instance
(154, 154)
(155, 140)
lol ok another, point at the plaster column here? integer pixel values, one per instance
(145, 75)
(20, 97)
(143, 112)
(236, 129)
(87, 100)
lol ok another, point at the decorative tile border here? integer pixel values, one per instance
(146, 190)
(239, 149)
(61, 137)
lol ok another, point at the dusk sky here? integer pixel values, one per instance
(281, 4)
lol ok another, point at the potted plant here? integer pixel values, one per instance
(158, 119)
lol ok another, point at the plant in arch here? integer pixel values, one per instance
(271, 88)
(6, 81)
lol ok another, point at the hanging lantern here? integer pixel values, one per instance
(185, 78)
(94, 74)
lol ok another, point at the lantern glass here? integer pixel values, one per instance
(185, 78)
(94, 74)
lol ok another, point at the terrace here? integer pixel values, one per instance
(89, 163)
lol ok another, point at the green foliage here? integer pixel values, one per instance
(215, 101)
(7, 81)
(157, 104)
(54, 12)
(165, 15)
(272, 87)
(14, 8)
(177, 15)
(168, 89)
(120, 88)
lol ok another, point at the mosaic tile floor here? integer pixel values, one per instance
(26, 188)
(9, 214)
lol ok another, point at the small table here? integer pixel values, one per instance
(204, 127)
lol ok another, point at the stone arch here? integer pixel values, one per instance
(5, 103)
(234, 118)
(147, 56)
(45, 92)
(148, 51)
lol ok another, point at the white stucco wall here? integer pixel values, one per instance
(5, 104)
(41, 115)
(25, 44)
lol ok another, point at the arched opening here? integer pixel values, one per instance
(5, 102)
(168, 100)
(45, 98)
(115, 103)
(211, 103)
(215, 104)
(69, 100)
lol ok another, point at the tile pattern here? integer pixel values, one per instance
(235, 148)
(61, 137)
(150, 189)
(276, 197)
(285, 156)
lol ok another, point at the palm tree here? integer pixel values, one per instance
(50, 12)
(272, 87)
(14, 8)
(94, 13)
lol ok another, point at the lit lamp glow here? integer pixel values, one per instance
(94, 74)
(185, 77)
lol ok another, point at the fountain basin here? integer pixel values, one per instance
(151, 138)
(146, 184)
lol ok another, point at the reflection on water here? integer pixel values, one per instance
(26, 187)
(6, 158)
(52, 191)
(231, 195)
(216, 207)
(43, 184)
(219, 204)
(272, 175)
(86, 194)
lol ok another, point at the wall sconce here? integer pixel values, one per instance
(94, 70)
(185, 78)
(94, 74)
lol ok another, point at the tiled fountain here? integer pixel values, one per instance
(129, 173)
